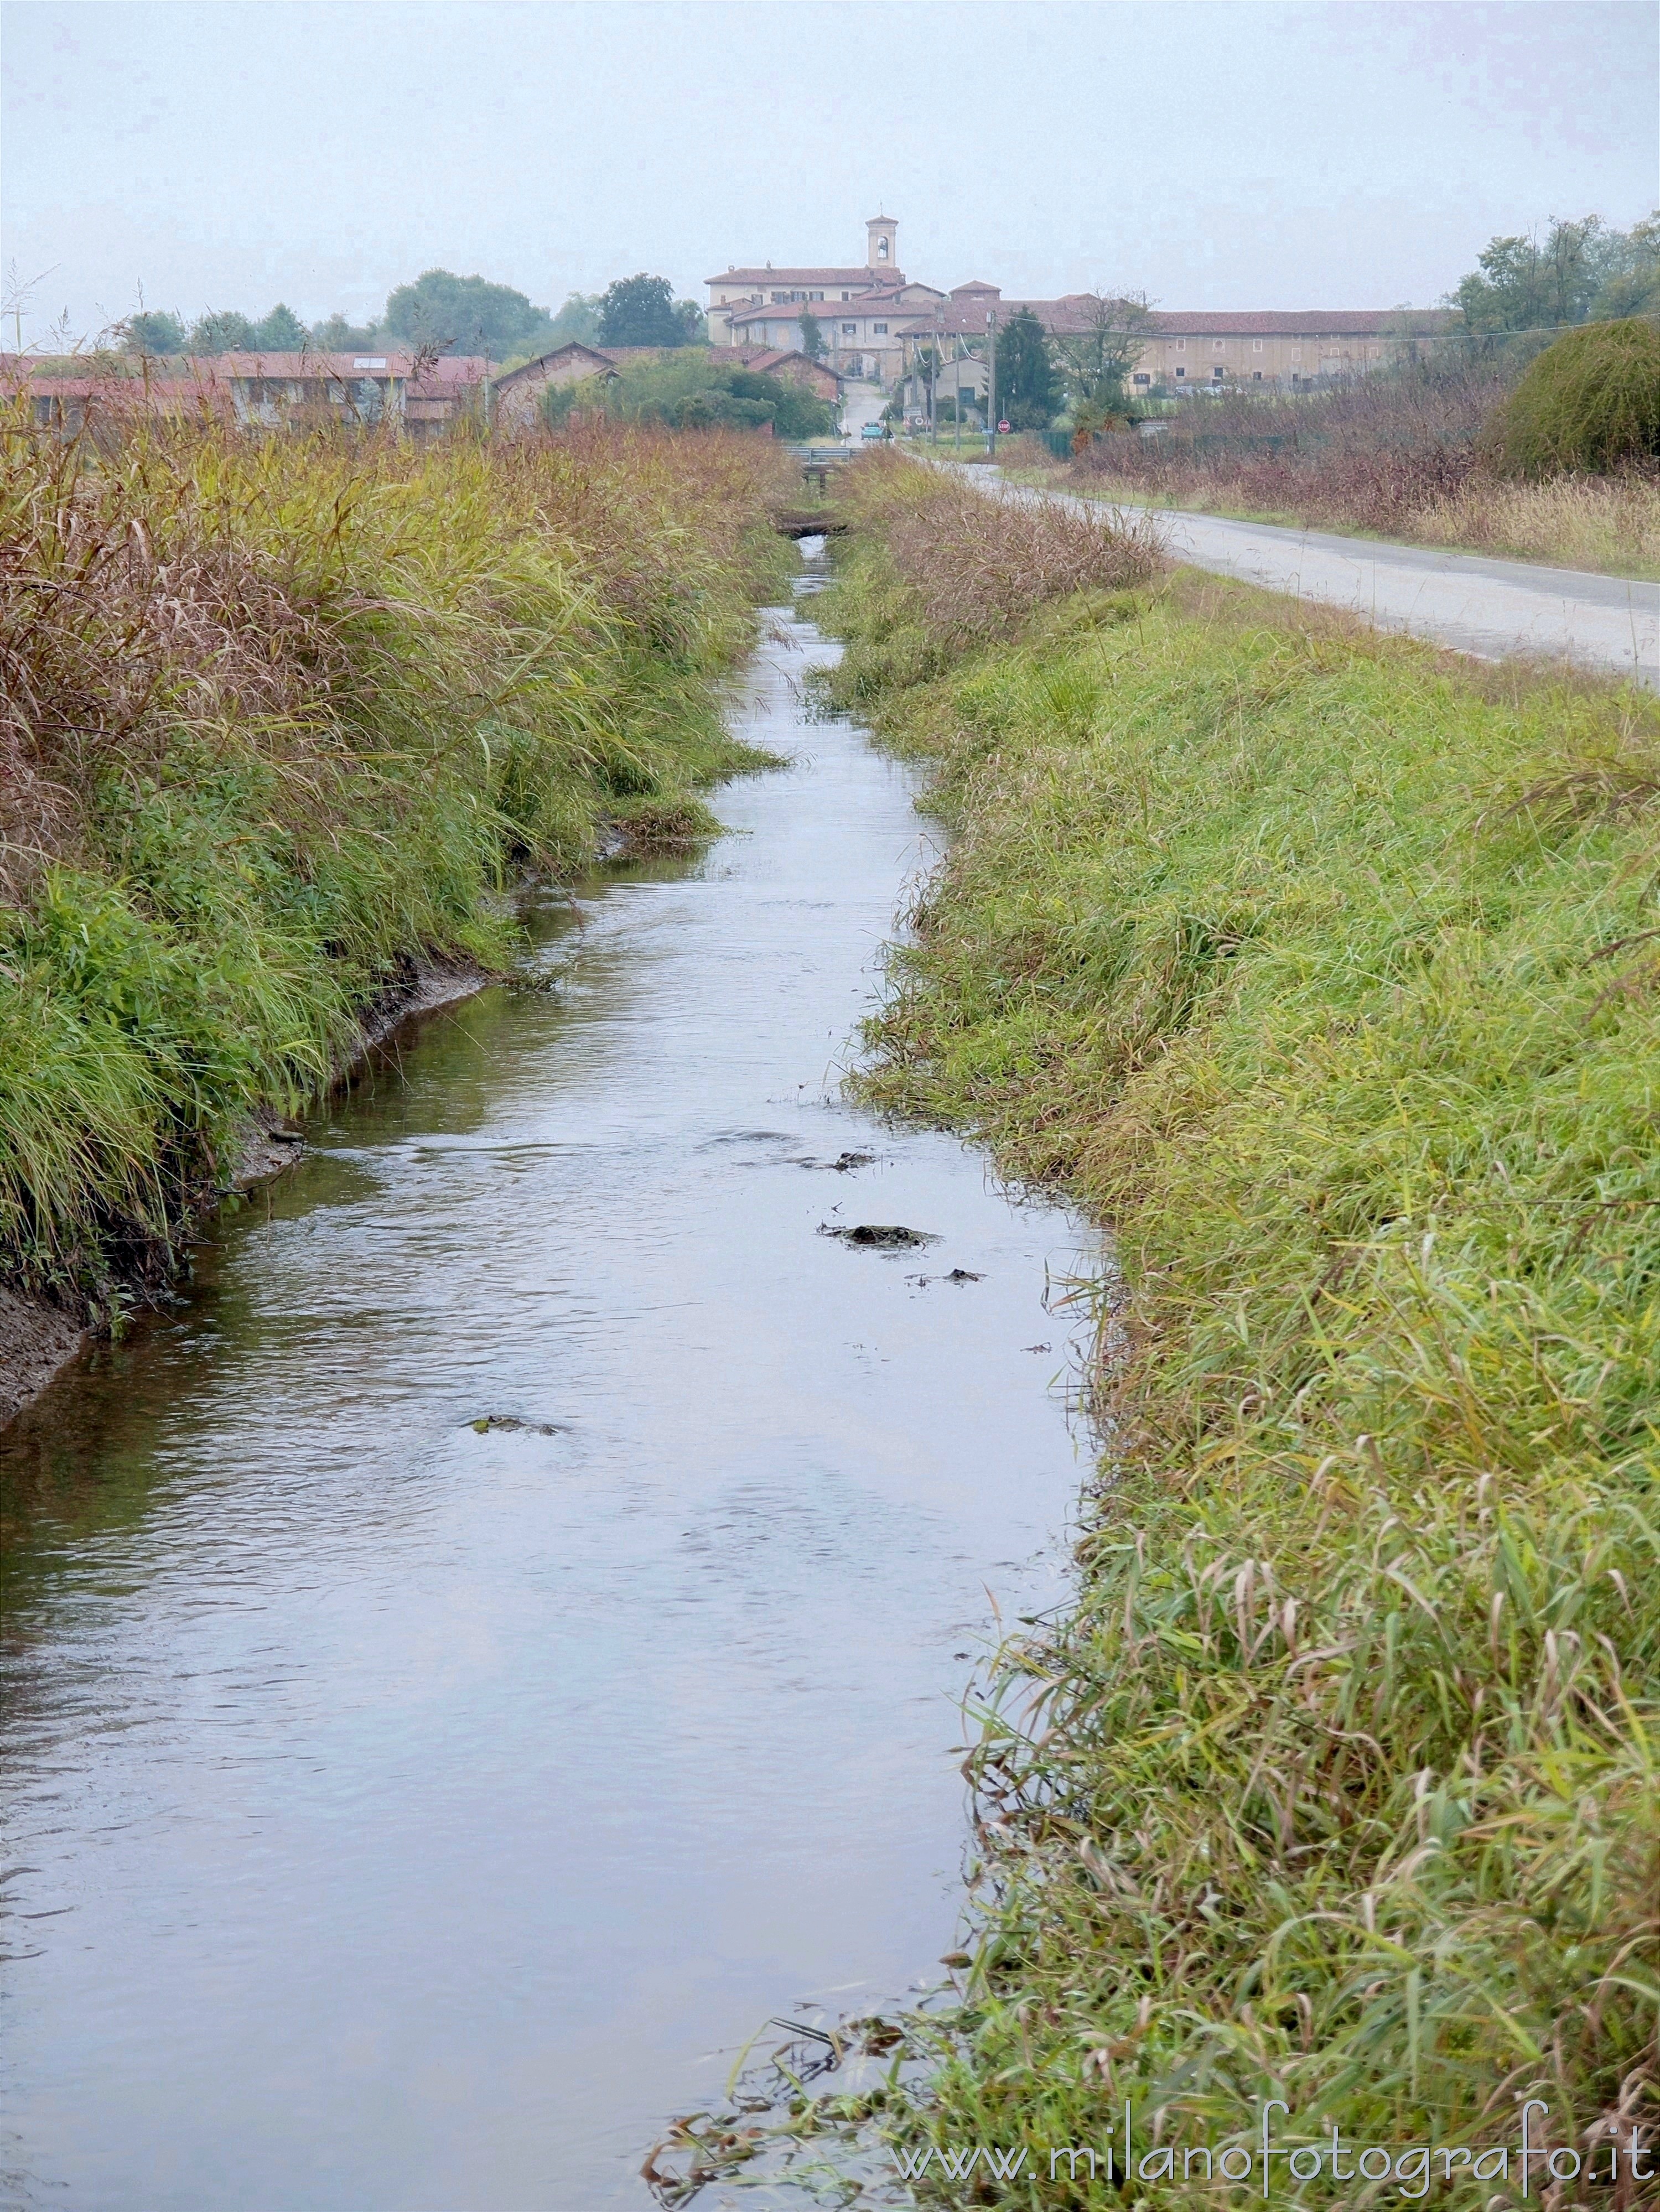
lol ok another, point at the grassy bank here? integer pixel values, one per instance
(1323, 969)
(283, 718)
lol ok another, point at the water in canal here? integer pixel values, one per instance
(405, 1817)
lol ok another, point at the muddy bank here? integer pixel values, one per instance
(36, 1341)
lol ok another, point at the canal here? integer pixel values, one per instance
(501, 1638)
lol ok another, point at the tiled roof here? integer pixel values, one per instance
(1075, 313)
(767, 277)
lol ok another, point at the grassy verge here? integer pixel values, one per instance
(1324, 970)
(282, 718)
(1610, 525)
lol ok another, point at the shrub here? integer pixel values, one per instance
(1590, 403)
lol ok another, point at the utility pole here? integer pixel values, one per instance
(991, 384)
(934, 385)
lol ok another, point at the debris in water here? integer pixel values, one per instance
(511, 1424)
(882, 1236)
(957, 1275)
(1035, 1347)
(845, 1165)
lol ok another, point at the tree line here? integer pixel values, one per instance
(443, 313)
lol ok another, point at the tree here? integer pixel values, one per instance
(577, 321)
(640, 311)
(1096, 361)
(282, 331)
(1629, 273)
(1027, 389)
(336, 335)
(221, 330)
(1521, 285)
(813, 336)
(465, 314)
(154, 334)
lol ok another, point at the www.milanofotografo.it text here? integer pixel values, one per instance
(1530, 2163)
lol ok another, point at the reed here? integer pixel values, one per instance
(281, 716)
(1326, 971)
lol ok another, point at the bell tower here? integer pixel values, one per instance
(882, 242)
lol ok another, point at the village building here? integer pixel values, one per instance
(517, 396)
(876, 323)
(863, 314)
(1294, 349)
(424, 397)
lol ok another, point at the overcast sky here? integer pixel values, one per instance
(1241, 155)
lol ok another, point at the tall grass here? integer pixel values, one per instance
(1403, 455)
(1369, 453)
(1326, 973)
(278, 717)
(1609, 523)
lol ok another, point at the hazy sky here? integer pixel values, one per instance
(1245, 154)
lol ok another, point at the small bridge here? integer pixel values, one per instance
(813, 522)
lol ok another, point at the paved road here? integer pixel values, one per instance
(1491, 608)
(861, 404)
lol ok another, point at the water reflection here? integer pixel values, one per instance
(412, 1815)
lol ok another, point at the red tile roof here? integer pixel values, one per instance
(768, 278)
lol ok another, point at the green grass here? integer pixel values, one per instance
(285, 717)
(1325, 971)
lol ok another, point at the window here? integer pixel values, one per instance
(849, 329)
(1219, 345)
(881, 249)
(816, 296)
(1141, 376)
(1181, 372)
(1216, 374)
(1257, 345)
(846, 295)
(878, 330)
(1180, 345)
(1256, 376)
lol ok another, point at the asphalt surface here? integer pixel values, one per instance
(1493, 609)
